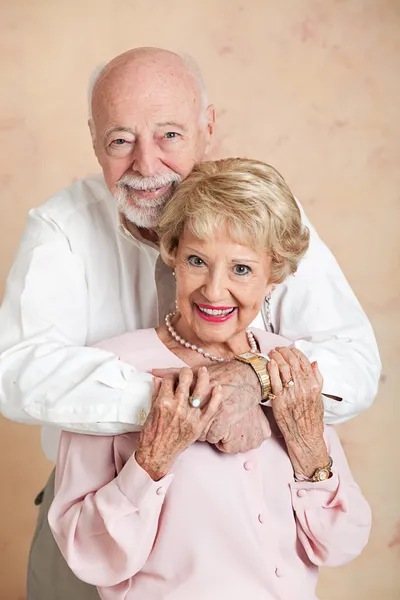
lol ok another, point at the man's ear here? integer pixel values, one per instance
(210, 120)
(92, 130)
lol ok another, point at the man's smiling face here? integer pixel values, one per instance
(149, 127)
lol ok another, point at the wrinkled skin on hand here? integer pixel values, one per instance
(299, 410)
(241, 393)
(239, 424)
(173, 424)
(248, 433)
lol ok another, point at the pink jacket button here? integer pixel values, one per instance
(160, 491)
(278, 572)
(248, 465)
(261, 518)
(301, 493)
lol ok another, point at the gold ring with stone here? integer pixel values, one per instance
(288, 384)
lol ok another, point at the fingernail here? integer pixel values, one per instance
(203, 370)
(219, 388)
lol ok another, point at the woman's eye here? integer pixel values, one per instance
(170, 135)
(195, 261)
(241, 270)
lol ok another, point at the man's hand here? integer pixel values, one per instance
(248, 433)
(241, 393)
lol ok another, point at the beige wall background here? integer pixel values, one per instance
(311, 86)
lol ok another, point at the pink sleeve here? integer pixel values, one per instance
(105, 525)
(333, 517)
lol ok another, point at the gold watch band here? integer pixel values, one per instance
(259, 365)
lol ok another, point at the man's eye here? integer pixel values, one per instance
(170, 135)
(195, 261)
(241, 270)
(118, 142)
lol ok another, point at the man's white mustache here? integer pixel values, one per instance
(147, 184)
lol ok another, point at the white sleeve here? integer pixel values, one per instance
(318, 309)
(47, 375)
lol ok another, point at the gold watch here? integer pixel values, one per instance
(323, 473)
(258, 365)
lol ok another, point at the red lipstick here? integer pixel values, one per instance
(215, 318)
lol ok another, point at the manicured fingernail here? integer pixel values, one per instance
(203, 370)
(219, 388)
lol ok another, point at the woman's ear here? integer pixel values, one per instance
(269, 289)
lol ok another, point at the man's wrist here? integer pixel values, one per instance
(258, 364)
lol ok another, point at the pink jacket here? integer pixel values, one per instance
(217, 527)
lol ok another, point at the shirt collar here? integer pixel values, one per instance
(133, 235)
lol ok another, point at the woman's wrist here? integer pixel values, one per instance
(308, 457)
(156, 469)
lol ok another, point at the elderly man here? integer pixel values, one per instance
(88, 269)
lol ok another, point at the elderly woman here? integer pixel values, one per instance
(162, 514)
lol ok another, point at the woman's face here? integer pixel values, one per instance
(219, 275)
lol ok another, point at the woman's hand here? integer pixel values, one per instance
(241, 394)
(173, 424)
(298, 409)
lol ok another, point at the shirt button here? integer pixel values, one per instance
(278, 572)
(142, 416)
(248, 465)
(301, 493)
(261, 518)
(160, 491)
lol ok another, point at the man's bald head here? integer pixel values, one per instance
(151, 62)
(150, 124)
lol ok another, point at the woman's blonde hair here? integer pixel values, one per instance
(249, 198)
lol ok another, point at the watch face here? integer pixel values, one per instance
(323, 474)
(247, 355)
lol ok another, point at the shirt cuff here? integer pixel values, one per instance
(137, 485)
(136, 398)
(319, 494)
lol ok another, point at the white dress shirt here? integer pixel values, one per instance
(79, 278)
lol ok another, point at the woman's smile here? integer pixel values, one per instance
(215, 314)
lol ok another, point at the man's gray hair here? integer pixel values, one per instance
(189, 62)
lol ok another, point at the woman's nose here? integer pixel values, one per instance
(215, 287)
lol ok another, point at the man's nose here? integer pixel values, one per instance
(146, 160)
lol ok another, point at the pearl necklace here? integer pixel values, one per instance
(178, 338)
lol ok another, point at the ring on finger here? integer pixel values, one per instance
(194, 401)
(288, 384)
(272, 397)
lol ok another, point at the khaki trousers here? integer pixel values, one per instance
(49, 577)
